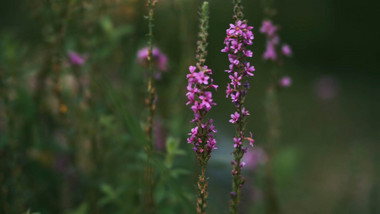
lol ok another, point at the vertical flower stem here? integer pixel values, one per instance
(201, 54)
(202, 191)
(273, 117)
(238, 10)
(238, 179)
(199, 95)
(239, 37)
(150, 101)
(151, 85)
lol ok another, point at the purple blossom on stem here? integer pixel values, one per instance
(273, 40)
(201, 99)
(254, 158)
(270, 51)
(200, 85)
(234, 117)
(239, 38)
(273, 52)
(160, 60)
(268, 28)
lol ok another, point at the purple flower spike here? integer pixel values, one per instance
(239, 38)
(272, 51)
(200, 97)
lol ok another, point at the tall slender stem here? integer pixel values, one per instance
(150, 101)
(239, 37)
(272, 111)
(201, 54)
(202, 191)
(199, 95)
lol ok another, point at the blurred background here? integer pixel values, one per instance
(72, 107)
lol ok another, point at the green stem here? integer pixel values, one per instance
(272, 110)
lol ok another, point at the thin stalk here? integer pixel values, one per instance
(150, 101)
(273, 118)
(241, 71)
(273, 115)
(202, 191)
(238, 180)
(201, 54)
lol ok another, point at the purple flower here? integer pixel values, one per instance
(237, 142)
(285, 82)
(235, 79)
(249, 69)
(248, 53)
(233, 59)
(235, 97)
(250, 139)
(268, 28)
(242, 164)
(229, 91)
(76, 59)
(286, 50)
(194, 131)
(273, 40)
(254, 158)
(244, 112)
(270, 52)
(201, 78)
(234, 117)
(160, 60)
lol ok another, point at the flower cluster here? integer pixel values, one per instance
(160, 60)
(273, 40)
(271, 52)
(200, 98)
(239, 37)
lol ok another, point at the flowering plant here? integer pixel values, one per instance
(239, 38)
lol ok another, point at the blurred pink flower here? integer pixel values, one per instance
(77, 59)
(285, 82)
(160, 60)
(326, 87)
(268, 28)
(286, 50)
(270, 52)
(160, 134)
(255, 157)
